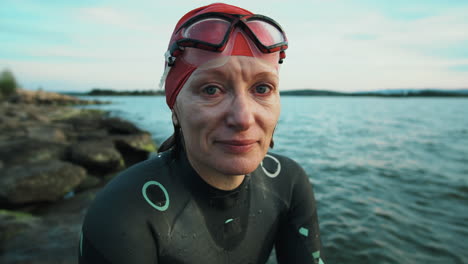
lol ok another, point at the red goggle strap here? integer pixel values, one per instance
(282, 57)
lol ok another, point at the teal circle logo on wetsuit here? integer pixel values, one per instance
(163, 189)
(278, 167)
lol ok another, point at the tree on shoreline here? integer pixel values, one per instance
(8, 84)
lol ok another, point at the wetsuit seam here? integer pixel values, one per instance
(276, 195)
(155, 238)
(177, 215)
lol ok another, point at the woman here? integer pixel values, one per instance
(213, 195)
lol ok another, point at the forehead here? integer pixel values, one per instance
(235, 67)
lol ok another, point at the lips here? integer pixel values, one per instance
(237, 146)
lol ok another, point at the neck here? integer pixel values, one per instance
(215, 179)
(223, 182)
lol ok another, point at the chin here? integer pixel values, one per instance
(239, 166)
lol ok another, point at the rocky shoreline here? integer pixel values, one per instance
(53, 161)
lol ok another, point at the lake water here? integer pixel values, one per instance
(390, 174)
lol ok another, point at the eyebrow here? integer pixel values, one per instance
(268, 74)
(223, 74)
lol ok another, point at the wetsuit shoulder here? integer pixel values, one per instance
(115, 229)
(298, 239)
(283, 174)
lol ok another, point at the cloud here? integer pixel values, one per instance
(361, 36)
(366, 49)
(459, 68)
(123, 20)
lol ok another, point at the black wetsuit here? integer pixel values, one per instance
(161, 211)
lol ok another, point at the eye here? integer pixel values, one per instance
(211, 90)
(262, 89)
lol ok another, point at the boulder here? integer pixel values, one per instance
(43, 243)
(40, 181)
(39, 117)
(12, 223)
(20, 152)
(90, 182)
(75, 206)
(85, 125)
(116, 125)
(47, 98)
(135, 148)
(52, 236)
(97, 157)
(46, 133)
(67, 114)
(11, 129)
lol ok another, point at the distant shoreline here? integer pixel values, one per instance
(304, 92)
(382, 93)
(110, 92)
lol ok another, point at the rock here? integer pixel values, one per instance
(137, 142)
(47, 98)
(40, 181)
(46, 133)
(20, 152)
(44, 243)
(118, 126)
(86, 125)
(135, 148)
(88, 183)
(97, 156)
(39, 117)
(67, 114)
(51, 238)
(11, 129)
(11, 223)
(74, 206)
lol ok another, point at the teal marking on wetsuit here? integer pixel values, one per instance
(316, 255)
(229, 220)
(81, 243)
(159, 208)
(304, 231)
(278, 169)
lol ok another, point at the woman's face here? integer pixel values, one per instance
(228, 114)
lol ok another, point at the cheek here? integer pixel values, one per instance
(198, 122)
(270, 114)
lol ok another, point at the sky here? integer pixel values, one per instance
(339, 45)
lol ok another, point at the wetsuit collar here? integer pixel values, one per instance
(215, 197)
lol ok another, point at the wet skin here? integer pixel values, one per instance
(227, 114)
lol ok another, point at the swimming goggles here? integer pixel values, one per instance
(212, 31)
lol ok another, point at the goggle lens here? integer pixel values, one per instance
(266, 33)
(211, 30)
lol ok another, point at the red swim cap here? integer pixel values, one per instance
(180, 71)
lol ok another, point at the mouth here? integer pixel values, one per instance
(237, 146)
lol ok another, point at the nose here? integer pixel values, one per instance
(241, 113)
